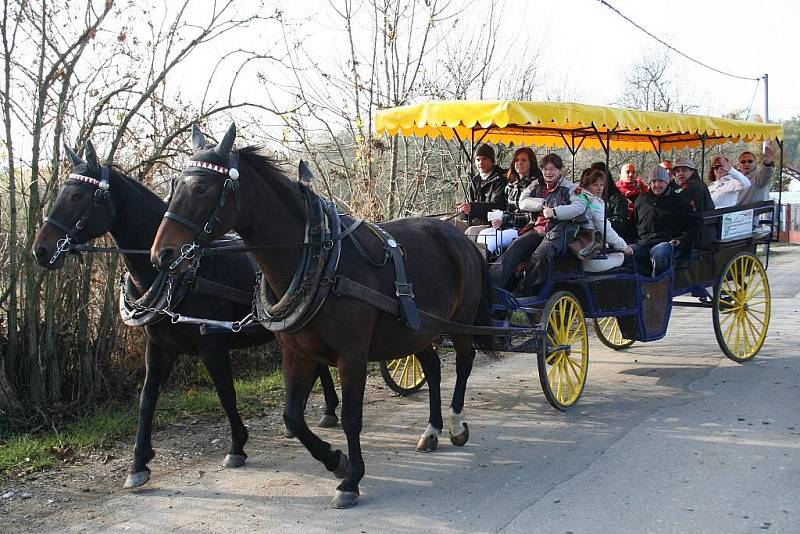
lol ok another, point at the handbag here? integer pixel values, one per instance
(587, 244)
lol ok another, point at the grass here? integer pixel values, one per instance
(33, 452)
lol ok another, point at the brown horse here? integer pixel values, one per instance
(224, 189)
(98, 199)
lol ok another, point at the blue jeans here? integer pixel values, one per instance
(659, 256)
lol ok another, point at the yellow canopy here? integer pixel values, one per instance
(562, 124)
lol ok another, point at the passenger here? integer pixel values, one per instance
(630, 185)
(592, 188)
(555, 204)
(726, 184)
(666, 165)
(616, 206)
(691, 187)
(523, 171)
(487, 191)
(759, 176)
(664, 221)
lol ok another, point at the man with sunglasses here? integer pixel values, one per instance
(760, 176)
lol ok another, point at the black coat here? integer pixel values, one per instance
(486, 195)
(662, 218)
(696, 193)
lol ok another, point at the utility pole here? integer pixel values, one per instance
(766, 97)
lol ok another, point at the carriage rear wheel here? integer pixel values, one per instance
(564, 354)
(741, 307)
(609, 334)
(403, 375)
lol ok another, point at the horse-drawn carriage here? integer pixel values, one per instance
(334, 293)
(723, 273)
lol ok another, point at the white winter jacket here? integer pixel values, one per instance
(727, 191)
(595, 215)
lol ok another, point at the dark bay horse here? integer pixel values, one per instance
(132, 213)
(223, 189)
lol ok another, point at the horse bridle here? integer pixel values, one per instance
(102, 194)
(203, 234)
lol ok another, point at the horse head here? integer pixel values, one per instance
(82, 211)
(203, 203)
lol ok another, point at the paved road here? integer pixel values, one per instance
(669, 437)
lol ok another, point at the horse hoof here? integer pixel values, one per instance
(328, 421)
(427, 443)
(234, 460)
(461, 439)
(342, 471)
(135, 480)
(287, 433)
(344, 499)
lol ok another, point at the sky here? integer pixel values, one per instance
(586, 48)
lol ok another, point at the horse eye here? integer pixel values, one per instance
(76, 197)
(200, 189)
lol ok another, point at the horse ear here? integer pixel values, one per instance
(73, 157)
(91, 157)
(305, 174)
(224, 146)
(198, 139)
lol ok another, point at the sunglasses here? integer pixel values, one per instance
(745, 161)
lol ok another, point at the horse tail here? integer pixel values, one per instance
(485, 343)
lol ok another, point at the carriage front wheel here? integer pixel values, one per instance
(563, 357)
(609, 334)
(741, 307)
(403, 375)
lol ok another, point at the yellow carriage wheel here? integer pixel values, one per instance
(609, 334)
(403, 375)
(564, 354)
(741, 307)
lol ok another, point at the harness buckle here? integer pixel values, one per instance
(327, 245)
(404, 289)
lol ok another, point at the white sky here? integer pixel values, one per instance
(587, 48)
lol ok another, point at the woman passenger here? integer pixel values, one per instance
(554, 204)
(506, 228)
(726, 185)
(616, 206)
(592, 191)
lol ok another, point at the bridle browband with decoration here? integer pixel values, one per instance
(102, 194)
(203, 235)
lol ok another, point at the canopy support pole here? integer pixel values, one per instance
(469, 157)
(780, 193)
(657, 149)
(702, 156)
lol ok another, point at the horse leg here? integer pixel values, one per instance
(353, 380)
(158, 367)
(431, 365)
(465, 354)
(216, 357)
(328, 419)
(299, 375)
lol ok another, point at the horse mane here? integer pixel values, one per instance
(266, 168)
(138, 187)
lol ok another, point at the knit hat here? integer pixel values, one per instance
(684, 162)
(658, 173)
(486, 151)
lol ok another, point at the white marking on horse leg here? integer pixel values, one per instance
(430, 430)
(456, 423)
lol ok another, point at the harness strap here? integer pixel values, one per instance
(345, 287)
(184, 221)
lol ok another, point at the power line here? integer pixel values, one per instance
(617, 11)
